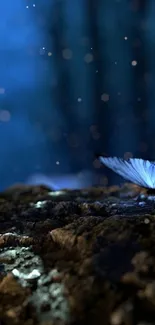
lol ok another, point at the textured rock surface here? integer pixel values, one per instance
(77, 257)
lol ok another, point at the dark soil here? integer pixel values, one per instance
(77, 257)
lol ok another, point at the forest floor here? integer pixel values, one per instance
(77, 257)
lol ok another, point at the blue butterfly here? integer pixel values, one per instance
(135, 170)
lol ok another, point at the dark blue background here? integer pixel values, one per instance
(76, 78)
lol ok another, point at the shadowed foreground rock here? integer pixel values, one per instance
(77, 257)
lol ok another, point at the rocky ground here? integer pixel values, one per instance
(77, 257)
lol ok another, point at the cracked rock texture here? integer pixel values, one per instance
(77, 257)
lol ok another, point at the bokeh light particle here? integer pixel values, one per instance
(2, 91)
(67, 54)
(105, 97)
(134, 63)
(4, 116)
(88, 58)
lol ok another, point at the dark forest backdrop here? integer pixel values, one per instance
(77, 77)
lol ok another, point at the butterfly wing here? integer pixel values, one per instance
(138, 171)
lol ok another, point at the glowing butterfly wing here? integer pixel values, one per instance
(138, 171)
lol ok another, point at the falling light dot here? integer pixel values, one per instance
(128, 155)
(96, 164)
(57, 162)
(2, 91)
(146, 221)
(115, 62)
(96, 135)
(49, 53)
(79, 99)
(134, 63)
(105, 97)
(4, 116)
(88, 58)
(125, 38)
(42, 51)
(67, 54)
(93, 128)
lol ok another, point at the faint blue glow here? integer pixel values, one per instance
(57, 183)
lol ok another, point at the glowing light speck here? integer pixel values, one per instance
(134, 63)
(56, 193)
(42, 51)
(88, 58)
(67, 54)
(4, 116)
(2, 91)
(105, 97)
